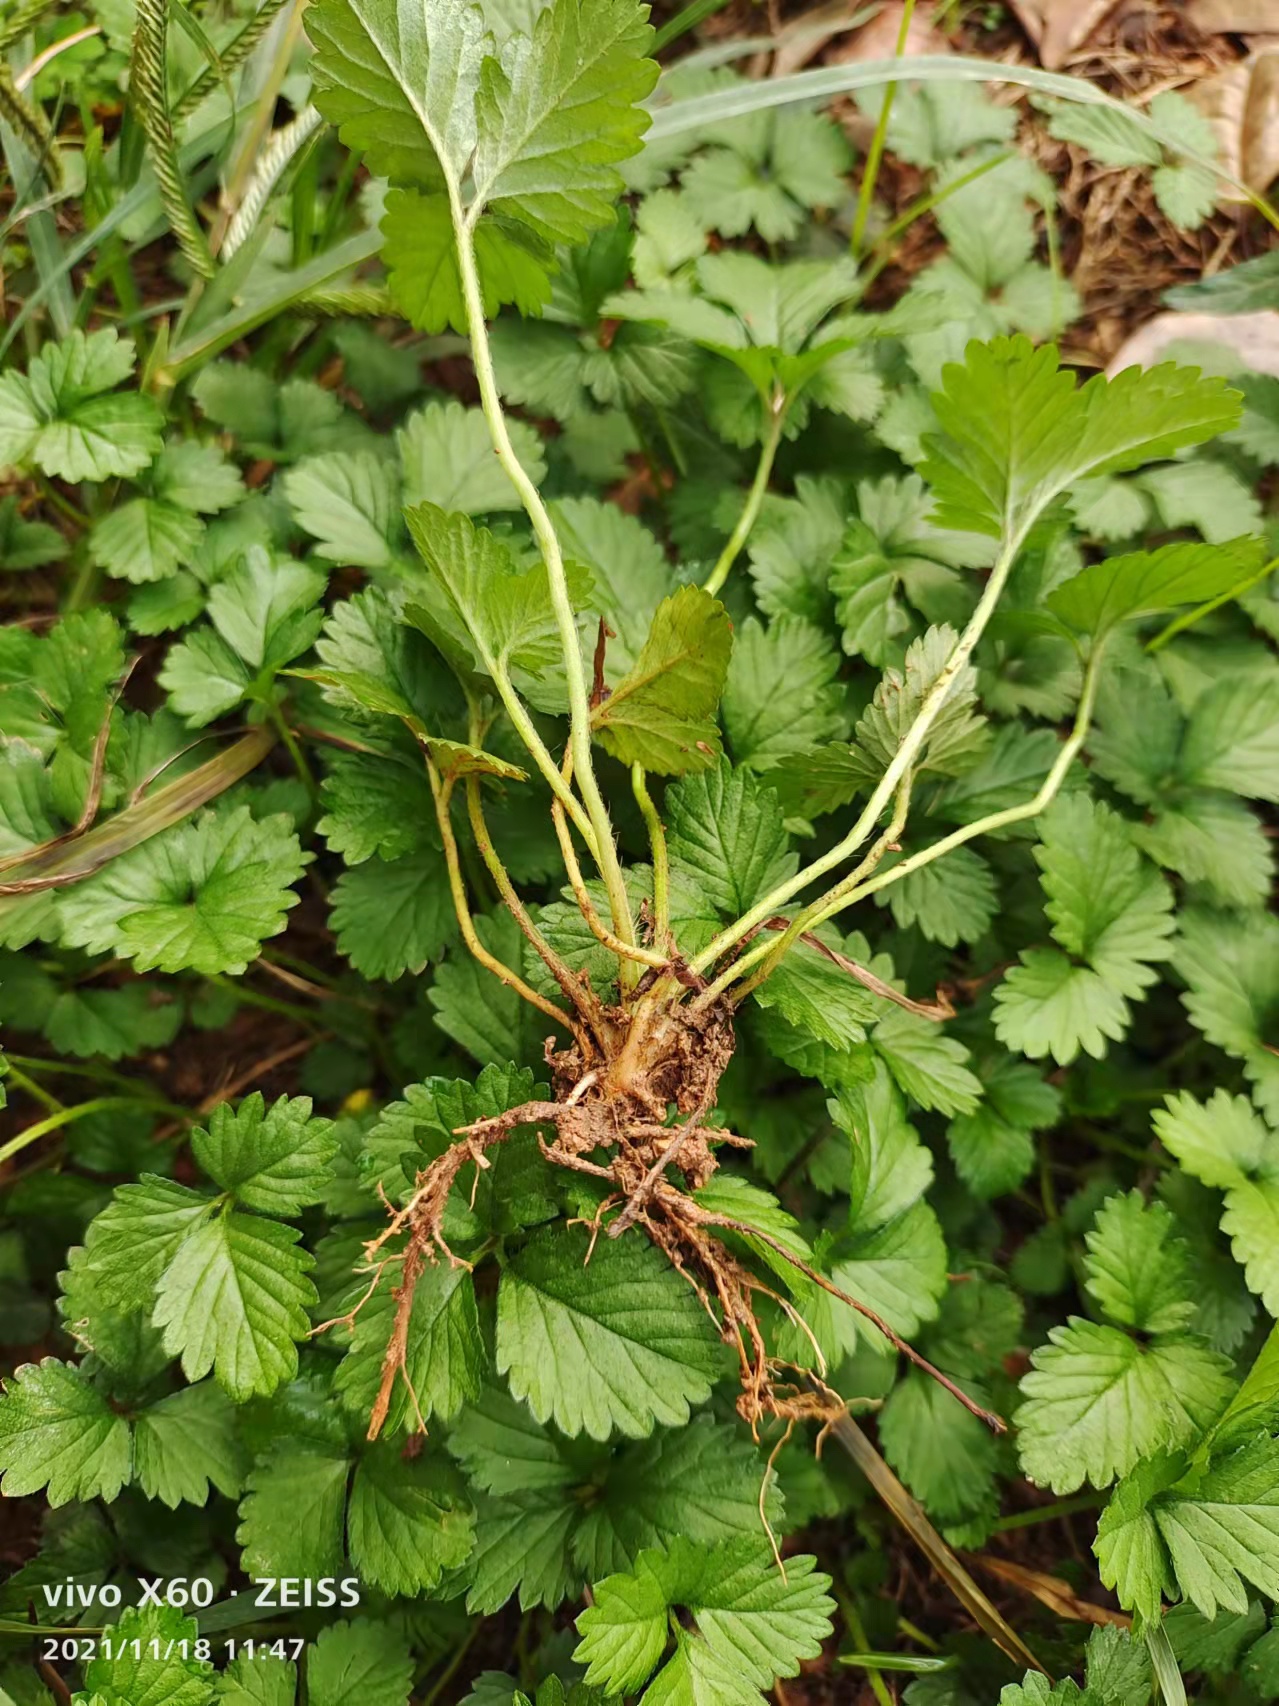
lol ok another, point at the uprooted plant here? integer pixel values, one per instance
(638, 1049)
(739, 793)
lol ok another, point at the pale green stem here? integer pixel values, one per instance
(1188, 618)
(542, 757)
(661, 861)
(997, 820)
(903, 760)
(67, 1116)
(772, 952)
(776, 409)
(877, 141)
(883, 249)
(604, 851)
(18, 1080)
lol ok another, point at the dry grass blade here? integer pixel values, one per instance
(910, 1514)
(65, 861)
(1051, 1591)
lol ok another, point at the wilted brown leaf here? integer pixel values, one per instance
(1231, 17)
(1242, 104)
(1051, 1591)
(1254, 338)
(1058, 27)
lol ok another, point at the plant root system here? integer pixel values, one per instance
(610, 1120)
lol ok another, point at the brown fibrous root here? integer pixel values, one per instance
(610, 1120)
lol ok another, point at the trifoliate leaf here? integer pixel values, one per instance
(448, 458)
(1016, 432)
(782, 695)
(725, 830)
(293, 1512)
(444, 1356)
(263, 615)
(58, 1432)
(1097, 1402)
(992, 1147)
(661, 714)
(407, 1522)
(945, 1455)
(234, 1299)
(202, 896)
(507, 615)
(1109, 909)
(1147, 582)
(1231, 966)
(362, 1660)
(1138, 1269)
(282, 423)
(756, 1621)
(773, 168)
(64, 416)
(1232, 738)
(621, 1344)
(393, 916)
(151, 1656)
(276, 1159)
(1210, 1532)
(187, 1442)
(349, 503)
(958, 733)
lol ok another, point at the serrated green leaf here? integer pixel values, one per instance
(276, 1160)
(1016, 432)
(1096, 1402)
(621, 1344)
(64, 415)
(1138, 1270)
(393, 916)
(661, 714)
(233, 1300)
(202, 896)
(444, 1356)
(447, 453)
(725, 830)
(59, 1433)
(293, 1510)
(407, 1523)
(187, 1443)
(151, 1656)
(362, 1660)
(1144, 583)
(1232, 739)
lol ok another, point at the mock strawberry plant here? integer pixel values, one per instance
(748, 816)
